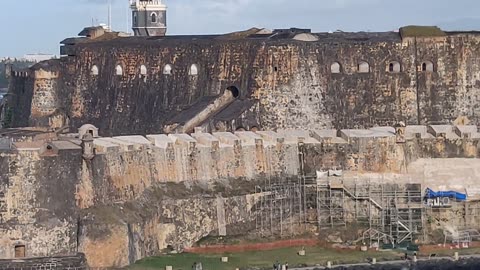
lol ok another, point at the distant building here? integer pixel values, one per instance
(149, 17)
(38, 57)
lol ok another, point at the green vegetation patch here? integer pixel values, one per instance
(263, 259)
(421, 31)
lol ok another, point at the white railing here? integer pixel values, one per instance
(145, 2)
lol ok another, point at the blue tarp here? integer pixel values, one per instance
(430, 194)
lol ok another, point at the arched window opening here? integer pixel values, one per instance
(154, 17)
(119, 70)
(167, 70)
(336, 68)
(234, 90)
(193, 70)
(363, 67)
(94, 70)
(394, 67)
(135, 19)
(427, 66)
(143, 70)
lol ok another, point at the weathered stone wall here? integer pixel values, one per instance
(139, 195)
(19, 100)
(51, 263)
(124, 167)
(289, 80)
(36, 97)
(139, 230)
(38, 208)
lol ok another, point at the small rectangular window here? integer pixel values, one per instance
(20, 251)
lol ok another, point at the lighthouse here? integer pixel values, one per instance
(149, 17)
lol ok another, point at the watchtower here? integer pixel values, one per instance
(149, 17)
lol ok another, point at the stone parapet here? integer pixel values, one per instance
(77, 262)
(133, 163)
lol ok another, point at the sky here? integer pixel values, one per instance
(37, 26)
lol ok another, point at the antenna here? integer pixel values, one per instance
(110, 14)
(128, 16)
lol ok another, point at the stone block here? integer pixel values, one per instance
(183, 140)
(466, 132)
(104, 146)
(442, 131)
(384, 129)
(349, 134)
(206, 139)
(296, 136)
(327, 135)
(227, 138)
(65, 145)
(123, 146)
(48, 149)
(324, 133)
(249, 138)
(161, 141)
(139, 142)
(417, 131)
(5, 144)
(271, 137)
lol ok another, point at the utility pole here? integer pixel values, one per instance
(127, 12)
(110, 14)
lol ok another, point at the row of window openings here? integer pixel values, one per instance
(167, 70)
(153, 18)
(363, 67)
(393, 67)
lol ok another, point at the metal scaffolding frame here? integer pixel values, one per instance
(390, 211)
(279, 207)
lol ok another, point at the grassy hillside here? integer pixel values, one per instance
(263, 259)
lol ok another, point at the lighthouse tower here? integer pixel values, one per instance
(149, 17)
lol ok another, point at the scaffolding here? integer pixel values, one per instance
(279, 208)
(390, 212)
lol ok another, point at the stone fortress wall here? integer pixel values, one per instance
(119, 199)
(285, 80)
